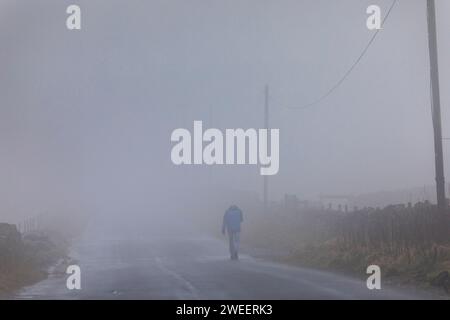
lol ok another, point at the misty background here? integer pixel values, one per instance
(86, 116)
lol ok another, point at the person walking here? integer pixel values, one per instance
(232, 220)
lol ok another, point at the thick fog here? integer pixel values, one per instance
(86, 116)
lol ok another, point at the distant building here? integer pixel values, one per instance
(335, 202)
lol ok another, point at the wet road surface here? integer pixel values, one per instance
(192, 267)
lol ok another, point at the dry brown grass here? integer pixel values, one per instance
(408, 250)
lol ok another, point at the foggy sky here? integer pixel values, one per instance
(86, 116)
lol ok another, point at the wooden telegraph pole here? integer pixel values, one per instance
(436, 105)
(266, 126)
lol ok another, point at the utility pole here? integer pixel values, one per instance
(266, 126)
(210, 173)
(436, 105)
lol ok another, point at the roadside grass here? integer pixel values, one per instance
(311, 240)
(25, 260)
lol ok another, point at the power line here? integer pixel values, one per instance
(353, 66)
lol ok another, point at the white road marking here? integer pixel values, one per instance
(186, 283)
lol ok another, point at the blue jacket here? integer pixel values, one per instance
(232, 220)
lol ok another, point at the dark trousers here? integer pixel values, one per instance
(234, 238)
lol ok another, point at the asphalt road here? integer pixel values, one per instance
(192, 267)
